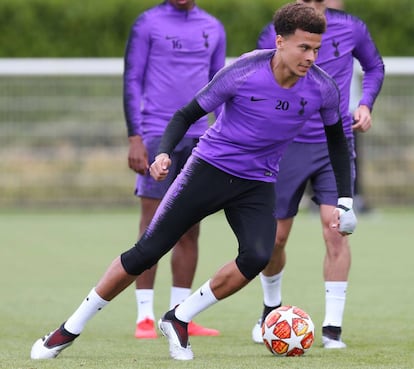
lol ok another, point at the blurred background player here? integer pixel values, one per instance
(173, 50)
(307, 160)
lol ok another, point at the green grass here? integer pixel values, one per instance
(50, 261)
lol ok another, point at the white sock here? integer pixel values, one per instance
(200, 300)
(335, 295)
(272, 289)
(145, 304)
(86, 311)
(178, 295)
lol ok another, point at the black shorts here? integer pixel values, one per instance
(200, 190)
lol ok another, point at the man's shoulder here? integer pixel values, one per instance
(248, 64)
(257, 54)
(342, 17)
(252, 60)
(208, 16)
(151, 13)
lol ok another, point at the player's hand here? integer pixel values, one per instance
(159, 168)
(362, 119)
(344, 219)
(137, 155)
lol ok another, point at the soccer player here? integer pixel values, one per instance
(268, 96)
(307, 160)
(173, 50)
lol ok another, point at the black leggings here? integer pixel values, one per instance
(198, 191)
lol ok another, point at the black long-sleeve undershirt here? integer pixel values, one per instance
(340, 160)
(179, 125)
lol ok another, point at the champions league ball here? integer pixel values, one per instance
(288, 331)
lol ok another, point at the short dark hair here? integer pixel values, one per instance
(293, 16)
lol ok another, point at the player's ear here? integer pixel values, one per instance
(279, 42)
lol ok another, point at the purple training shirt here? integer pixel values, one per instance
(260, 118)
(170, 55)
(346, 38)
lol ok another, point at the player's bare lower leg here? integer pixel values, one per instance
(114, 281)
(337, 264)
(278, 259)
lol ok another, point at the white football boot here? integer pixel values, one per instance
(50, 346)
(257, 332)
(177, 335)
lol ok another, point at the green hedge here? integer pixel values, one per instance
(99, 28)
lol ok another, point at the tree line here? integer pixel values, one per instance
(99, 28)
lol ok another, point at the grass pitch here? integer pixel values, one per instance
(50, 261)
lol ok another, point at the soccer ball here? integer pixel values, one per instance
(288, 331)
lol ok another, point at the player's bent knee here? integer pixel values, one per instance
(128, 261)
(250, 265)
(134, 261)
